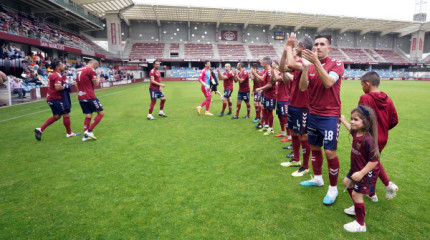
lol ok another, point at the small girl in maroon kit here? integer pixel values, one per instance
(363, 173)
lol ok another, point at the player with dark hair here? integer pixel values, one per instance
(227, 77)
(257, 96)
(282, 98)
(323, 79)
(155, 92)
(243, 78)
(205, 78)
(57, 85)
(87, 79)
(386, 115)
(298, 108)
(269, 88)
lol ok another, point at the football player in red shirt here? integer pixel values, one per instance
(323, 79)
(227, 77)
(155, 92)
(56, 86)
(243, 94)
(87, 78)
(257, 96)
(298, 108)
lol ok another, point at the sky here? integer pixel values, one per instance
(376, 9)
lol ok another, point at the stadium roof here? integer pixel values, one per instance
(130, 11)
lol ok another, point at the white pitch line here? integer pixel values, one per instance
(29, 114)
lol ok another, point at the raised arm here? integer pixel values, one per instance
(304, 78)
(324, 76)
(220, 75)
(345, 123)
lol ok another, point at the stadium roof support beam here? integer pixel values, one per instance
(348, 27)
(322, 28)
(127, 21)
(249, 19)
(154, 8)
(397, 29)
(406, 32)
(280, 16)
(303, 23)
(364, 31)
(188, 17)
(218, 20)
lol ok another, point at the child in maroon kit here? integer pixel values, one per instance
(386, 116)
(363, 173)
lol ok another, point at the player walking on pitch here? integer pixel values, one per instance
(243, 94)
(87, 79)
(155, 92)
(205, 78)
(56, 86)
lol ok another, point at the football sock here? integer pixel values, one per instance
(333, 168)
(203, 103)
(306, 149)
(66, 122)
(208, 104)
(383, 175)
(317, 161)
(238, 109)
(87, 122)
(281, 123)
(360, 213)
(350, 191)
(151, 106)
(224, 105)
(48, 122)
(296, 148)
(162, 104)
(230, 105)
(248, 109)
(96, 121)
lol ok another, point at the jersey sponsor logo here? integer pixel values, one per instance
(312, 75)
(81, 93)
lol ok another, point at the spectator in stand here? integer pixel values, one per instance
(17, 87)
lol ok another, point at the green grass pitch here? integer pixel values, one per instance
(196, 177)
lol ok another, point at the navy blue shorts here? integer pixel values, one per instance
(282, 108)
(257, 97)
(227, 93)
(155, 93)
(243, 96)
(57, 107)
(297, 119)
(367, 183)
(90, 105)
(323, 130)
(269, 104)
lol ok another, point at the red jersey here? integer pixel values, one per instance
(260, 83)
(84, 79)
(244, 86)
(54, 79)
(228, 83)
(271, 92)
(385, 112)
(283, 94)
(361, 151)
(298, 98)
(157, 76)
(325, 101)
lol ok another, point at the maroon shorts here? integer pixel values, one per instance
(367, 183)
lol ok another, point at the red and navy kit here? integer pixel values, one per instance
(325, 101)
(228, 83)
(157, 77)
(154, 89)
(283, 97)
(362, 152)
(385, 112)
(84, 79)
(298, 108)
(257, 96)
(86, 96)
(54, 79)
(244, 89)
